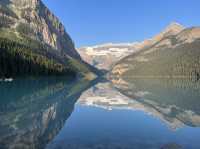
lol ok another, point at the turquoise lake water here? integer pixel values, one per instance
(55, 113)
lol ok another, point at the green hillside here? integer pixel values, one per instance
(22, 56)
(33, 42)
(171, 57)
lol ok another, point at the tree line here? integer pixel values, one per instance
(19, 60)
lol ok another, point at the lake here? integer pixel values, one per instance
(56, 113)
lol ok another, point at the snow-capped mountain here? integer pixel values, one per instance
(106, 55)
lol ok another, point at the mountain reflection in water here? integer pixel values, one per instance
(175, 100)
(134, 114)
(32, 111)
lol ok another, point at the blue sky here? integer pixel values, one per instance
(91, 22)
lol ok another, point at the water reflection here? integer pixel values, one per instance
(56, 113)
(141, 114)
(175, 101)
(32, 111)
(103, 95)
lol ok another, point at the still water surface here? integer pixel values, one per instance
(61, 114)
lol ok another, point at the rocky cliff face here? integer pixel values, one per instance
(31, 35)
(106, 55)
(32, 18)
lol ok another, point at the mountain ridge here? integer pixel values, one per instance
(172, 56)
(104, 56)
(36, 41)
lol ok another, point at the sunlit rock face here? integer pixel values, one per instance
(148, 100)
(189, 35)
(25, 3)
(105, 56)
(34, 19)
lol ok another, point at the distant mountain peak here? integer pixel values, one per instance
(175, 24)
(174, 28)
(171, 30)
